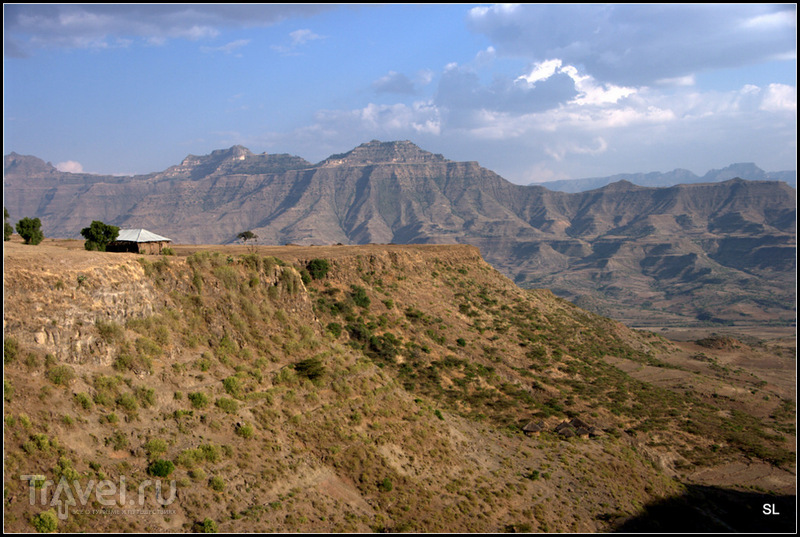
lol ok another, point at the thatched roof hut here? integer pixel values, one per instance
(533, 428)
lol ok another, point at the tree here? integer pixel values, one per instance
(99, 235)
(30, 229)
(246, 236)
(7, 228)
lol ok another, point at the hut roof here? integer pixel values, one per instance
(140, 235)
(534, 427)
(579, 423)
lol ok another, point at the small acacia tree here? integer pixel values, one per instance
(30, 229)
(247, 236)
(99, 235)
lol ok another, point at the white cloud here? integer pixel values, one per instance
(639, 44)
(301, 37)
(779, 98)
(70, 166)
(298, 38)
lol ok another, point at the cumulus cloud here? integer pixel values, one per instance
(779, 98)
(70, 166)
(639, 44)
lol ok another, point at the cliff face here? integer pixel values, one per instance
(632, 252)
(384, 391)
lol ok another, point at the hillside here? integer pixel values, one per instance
(371, 388)
(698, 253)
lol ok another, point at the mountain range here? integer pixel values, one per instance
(744, 170)
(705, 252)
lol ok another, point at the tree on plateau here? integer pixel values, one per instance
(99, 235)
(30, 229)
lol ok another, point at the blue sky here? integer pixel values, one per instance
(533, 92)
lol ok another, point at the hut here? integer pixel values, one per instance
(533, 428)
(138, 241)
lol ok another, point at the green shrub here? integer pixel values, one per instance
(335, 329)
(155, 447)
(128, 402)
(198, 399)
(84, 401)
(359, 296)
(227, 275)
(244, 430)
(385, 485)
(161, 468)
(146, 396)
(10, 350)
(228, 405)
(233, 386)
(61, 375)
(318, 268)
(8, 391)
(216, 483)
(109, 331)
(209, 526)
(45, 522)
(311, 368)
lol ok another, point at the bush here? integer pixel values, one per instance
(359, 296)
(216, 483)
(228, 405)
(312, 368)
(61, 375)
(318, 268)
(84, 401)
(335, 329)
(45, 522)
(30, 229)
(244, 430)
(161, 468)
(198, 399)
(10, 350)
(155, 447)
(233, 386)
(209, 526)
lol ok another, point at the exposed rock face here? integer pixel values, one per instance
(627, 251)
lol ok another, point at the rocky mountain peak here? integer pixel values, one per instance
(26, 164)
(377, 152)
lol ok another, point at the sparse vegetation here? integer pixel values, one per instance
(383, 382)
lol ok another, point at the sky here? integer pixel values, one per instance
(534, 92)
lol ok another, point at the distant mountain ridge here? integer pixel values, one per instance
(745, 170)
(707, 251)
